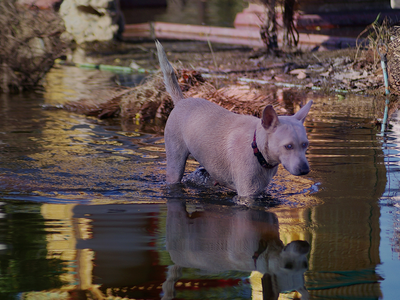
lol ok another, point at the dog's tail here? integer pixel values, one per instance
(171, 83)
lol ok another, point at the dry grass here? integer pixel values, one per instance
(375, 36)
(30, 41)
(145, 102)
(383, 39)
(150, 101)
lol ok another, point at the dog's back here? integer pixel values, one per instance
(171, 83)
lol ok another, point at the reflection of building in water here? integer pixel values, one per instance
(346, 234)
(106, 249)
(71, 83)
(393, 185)
(64, 231)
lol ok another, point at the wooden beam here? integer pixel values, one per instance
(235, 36)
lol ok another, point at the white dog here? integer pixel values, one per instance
(238, 151)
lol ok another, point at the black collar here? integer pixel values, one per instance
(263, 162)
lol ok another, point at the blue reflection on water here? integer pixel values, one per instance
(390, 214)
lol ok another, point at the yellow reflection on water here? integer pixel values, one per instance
(64, 83)
(63, 233)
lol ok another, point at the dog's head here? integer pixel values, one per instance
(286, 139)
(293, 256)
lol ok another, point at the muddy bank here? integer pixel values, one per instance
(240, 79)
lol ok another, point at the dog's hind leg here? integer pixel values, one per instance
(176, 161)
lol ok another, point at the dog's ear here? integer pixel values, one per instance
(269, 118)
(303, 112)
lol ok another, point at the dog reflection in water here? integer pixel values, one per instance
(218, 239)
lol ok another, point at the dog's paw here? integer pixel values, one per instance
(199, 177)
(261, 201)
(244, 200)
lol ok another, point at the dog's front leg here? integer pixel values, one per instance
(246, 188)
(252, 183)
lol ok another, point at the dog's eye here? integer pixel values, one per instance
(305, 145)
(289, 147)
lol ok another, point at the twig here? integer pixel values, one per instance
(212, 53)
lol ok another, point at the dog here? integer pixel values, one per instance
(240, 152)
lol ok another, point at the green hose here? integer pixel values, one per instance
(111, 68)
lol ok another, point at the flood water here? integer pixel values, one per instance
(85, 212)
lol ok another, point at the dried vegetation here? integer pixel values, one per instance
(324, 70)
(346, 70)
(381, 41)
(150, 100)
(30, 41)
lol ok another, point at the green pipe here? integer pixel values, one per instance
(118, 69)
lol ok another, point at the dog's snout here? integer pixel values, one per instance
(305, 172)
(304, 169)
(301, 169)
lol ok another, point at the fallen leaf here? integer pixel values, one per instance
(302, 75)
(326, 74)
(279, 78)
(309, 85)
(297, 71)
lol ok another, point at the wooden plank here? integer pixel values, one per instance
(203, 33)
(236, 36)
(248, 37)
(137, 30)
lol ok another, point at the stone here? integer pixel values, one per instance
(92, 20)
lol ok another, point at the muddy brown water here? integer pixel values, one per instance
(85, 212)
